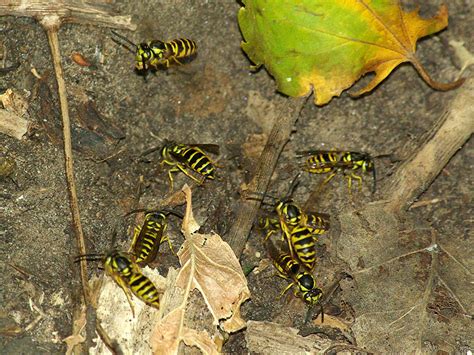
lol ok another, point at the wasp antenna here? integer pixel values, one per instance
(374, 183)
(123, 38)
(123, 45)
(138, 210)
(260, 196)
(151, 150)
(174, 213)
(294, 184)
(89, 257)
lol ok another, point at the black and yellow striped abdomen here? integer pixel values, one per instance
(128, 276)
(147, 238)
(302, 244)
(181, 47)
(191, 160)
(286, 266)
(144, 289)
(316, 223)
(321, 163)
(195, 159)
(165, 52)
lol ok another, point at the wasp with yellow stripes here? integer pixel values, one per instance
(148, 237)
(128, 276)
(333, 162)
(317, 223)
(290, 269)
(189, 159)
(158, 54)
(299, 230)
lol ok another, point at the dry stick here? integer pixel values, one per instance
(96, 13)
(51, 24)
(51, 14)
(277, 139)
(448, 135)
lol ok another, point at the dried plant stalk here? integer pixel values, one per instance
(278, 137)
(447, 136)
(99, 13)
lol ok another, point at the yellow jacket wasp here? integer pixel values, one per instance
(333, 161)
(189, 159)
(155, 54)
(128, 276)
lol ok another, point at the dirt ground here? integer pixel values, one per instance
(214, 99)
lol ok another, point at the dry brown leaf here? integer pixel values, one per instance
(12, 125)
(333, 322)
(76, 338)
(14, 102)
(210, 266)
(273, 338)
(12, 117)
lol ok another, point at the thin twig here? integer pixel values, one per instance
(96, 13)
(448, 135)
(51, 24)
(277, 139)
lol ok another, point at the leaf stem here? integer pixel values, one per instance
(433, 83)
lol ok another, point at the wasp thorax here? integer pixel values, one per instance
(313, 296)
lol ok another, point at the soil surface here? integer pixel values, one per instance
(213, 99)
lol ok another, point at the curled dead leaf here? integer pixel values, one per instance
(210, 266)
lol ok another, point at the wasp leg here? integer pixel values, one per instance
(290, 246)
(177, 61)
(136, 232)
(349, 181)
(328, 178)
(269, 234)
(285, 290)
(183, 169)
(170, 171)
(170, 176)
(359, 179)
(127, 292)
(165, 238)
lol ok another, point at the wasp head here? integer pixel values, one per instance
(143, 56)
(289, 212)
(307, 286)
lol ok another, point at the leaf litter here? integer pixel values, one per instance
(208, 265)
(414, 287)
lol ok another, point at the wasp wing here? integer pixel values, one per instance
(211, 148)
